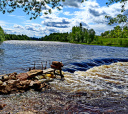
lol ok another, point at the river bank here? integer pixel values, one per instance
(116, 42)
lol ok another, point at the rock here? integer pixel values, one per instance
(31, 83)
(1, 82)
(5, 89)
(40, 77)
(2, 105)
(43, 85)
(12, 75)
(34, 73)
(22, 76)
(4, 84)
(37, 82)
(23, 84)
(5, 77)
(26, 112)
(37, 85)
(12, 82)
(8, 89)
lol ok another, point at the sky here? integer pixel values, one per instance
(90, 13)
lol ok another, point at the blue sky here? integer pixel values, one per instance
(90, 13)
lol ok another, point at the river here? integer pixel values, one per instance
(100, 71)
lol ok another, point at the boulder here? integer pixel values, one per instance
(23, 84)
(12, 75)
(12, 82)
(5, 89)
(37, 85)
(34, 73)
(22, 76)
(5, 77)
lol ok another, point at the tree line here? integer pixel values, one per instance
(117, 32)
(78, 35)
(4, 36)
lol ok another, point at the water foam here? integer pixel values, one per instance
(112, 78)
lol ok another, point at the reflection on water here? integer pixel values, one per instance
(20, 55)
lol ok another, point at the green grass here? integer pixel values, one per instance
(119, 42)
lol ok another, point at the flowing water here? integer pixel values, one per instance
(100, 71)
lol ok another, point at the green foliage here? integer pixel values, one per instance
(55, 37)
(125, 43)
(120, 42)
(117, 32)
(78, 35)
(2, 36)
(16, 37)
(82, 35)
(31, 7)
(120, 18)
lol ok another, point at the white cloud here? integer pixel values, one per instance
(3, 23)
(89, 13)
(18, 26)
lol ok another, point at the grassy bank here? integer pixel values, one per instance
(119, 42)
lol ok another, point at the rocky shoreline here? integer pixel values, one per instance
(14, 83)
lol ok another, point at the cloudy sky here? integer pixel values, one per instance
(90, 13)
